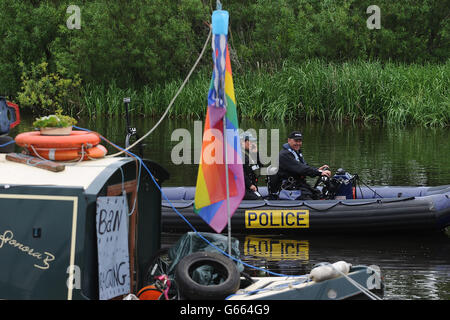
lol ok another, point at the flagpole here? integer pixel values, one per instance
(219, 7)
(227, 184)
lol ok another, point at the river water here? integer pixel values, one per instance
(413, 266)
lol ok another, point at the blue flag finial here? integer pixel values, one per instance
(220, 22)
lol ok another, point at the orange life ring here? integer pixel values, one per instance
(75, 140)
(69, 154)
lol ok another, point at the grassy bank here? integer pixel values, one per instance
(358, 91)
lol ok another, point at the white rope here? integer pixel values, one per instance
(171, 102)
(37, 154)
(66, 163)
(357, 285)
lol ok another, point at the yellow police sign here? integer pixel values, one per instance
(276, 219)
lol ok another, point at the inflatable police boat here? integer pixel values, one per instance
(358, 209)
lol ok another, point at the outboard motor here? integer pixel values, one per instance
(345, 188)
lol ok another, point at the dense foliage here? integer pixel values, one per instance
(130, 41)
(148, 44)
(44, 91)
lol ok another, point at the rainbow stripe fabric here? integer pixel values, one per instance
(210, 195)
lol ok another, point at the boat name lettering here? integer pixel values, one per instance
(45, 258)
(276, 219)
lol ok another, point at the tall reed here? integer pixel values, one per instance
(353, 91)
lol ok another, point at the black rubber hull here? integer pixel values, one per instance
(412, 214)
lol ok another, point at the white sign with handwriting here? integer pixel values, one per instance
(112, 244)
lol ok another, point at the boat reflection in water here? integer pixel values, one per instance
(276, 249)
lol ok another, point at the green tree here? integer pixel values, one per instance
(133, 42)
(149, 42)
(26, 32)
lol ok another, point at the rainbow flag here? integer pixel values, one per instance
(211, 194)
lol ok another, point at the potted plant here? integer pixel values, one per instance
(55, 124)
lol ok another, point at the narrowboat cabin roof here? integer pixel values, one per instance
(81, 174)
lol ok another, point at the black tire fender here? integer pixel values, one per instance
(190, 289)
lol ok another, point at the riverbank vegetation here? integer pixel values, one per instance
(291, 59)
(315, 90)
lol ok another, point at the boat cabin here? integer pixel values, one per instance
(48, 228)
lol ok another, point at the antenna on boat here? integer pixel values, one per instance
(131, 131)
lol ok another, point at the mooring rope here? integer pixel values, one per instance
(171, 102)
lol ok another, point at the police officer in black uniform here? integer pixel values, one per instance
(252, 166)
(293, 169)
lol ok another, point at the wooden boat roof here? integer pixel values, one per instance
(80, 174)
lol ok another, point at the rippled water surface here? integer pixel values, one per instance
(379, 154)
